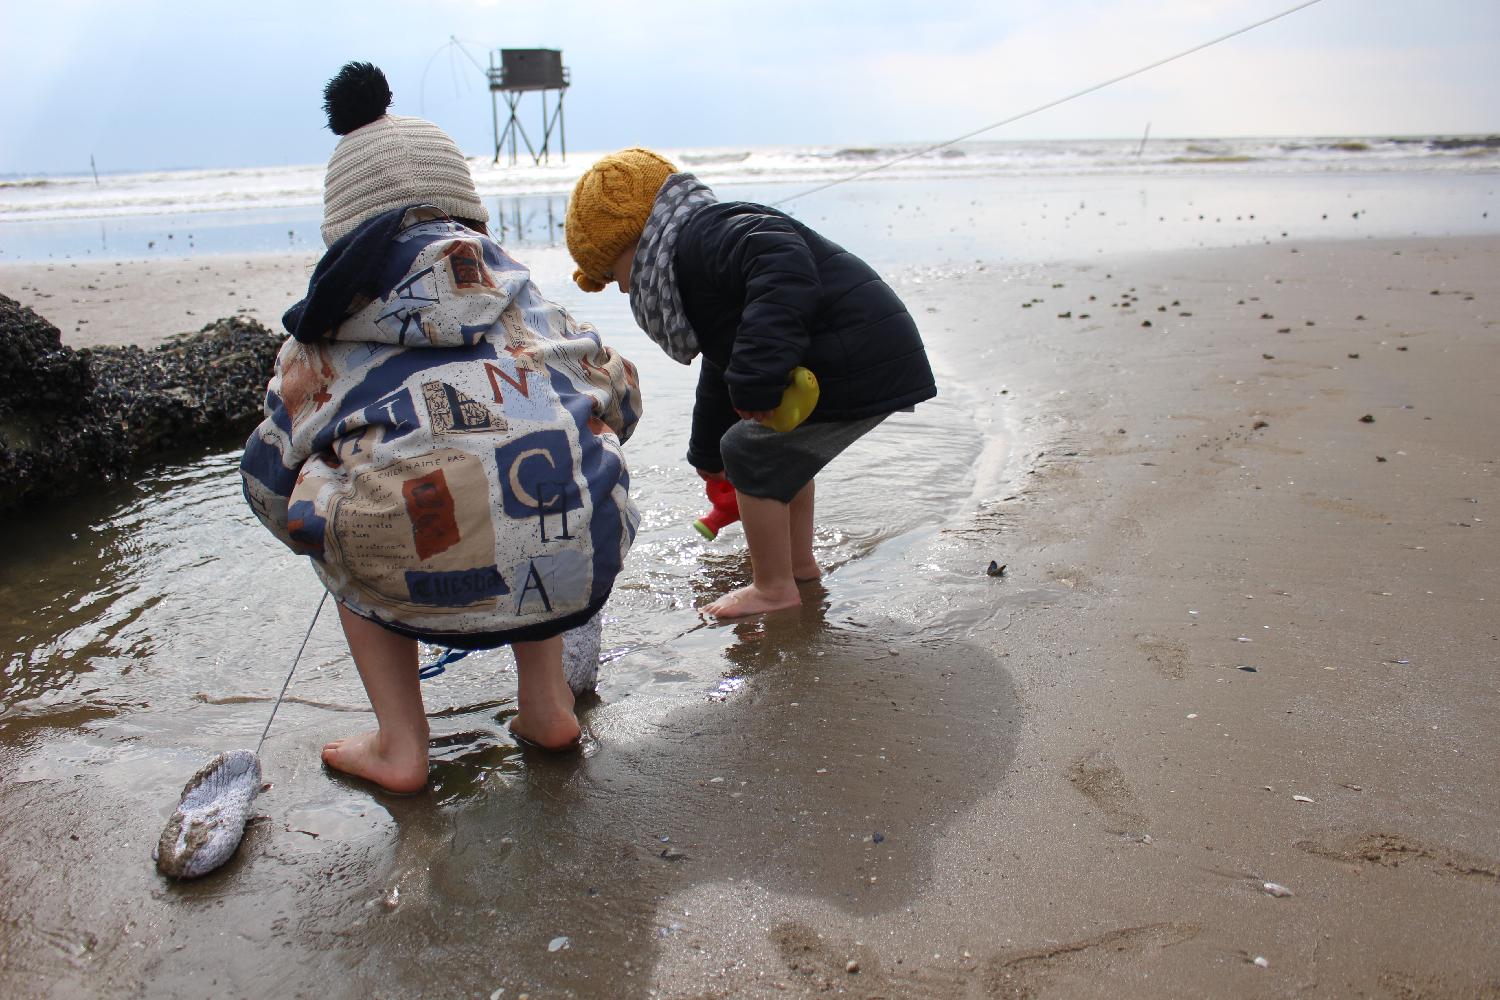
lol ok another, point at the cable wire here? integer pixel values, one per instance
(287, 683)
(1044, 107)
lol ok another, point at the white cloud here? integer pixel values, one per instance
(1241, 86)
(167, 82)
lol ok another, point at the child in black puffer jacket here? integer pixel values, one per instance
(757, 294)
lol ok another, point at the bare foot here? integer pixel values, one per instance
(554, 732)
(752, 601)
(370, 757)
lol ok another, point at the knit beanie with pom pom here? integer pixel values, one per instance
(608, 210)
(385, 161)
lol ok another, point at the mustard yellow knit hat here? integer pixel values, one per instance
(608, 210)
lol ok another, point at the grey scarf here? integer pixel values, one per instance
(653, 279)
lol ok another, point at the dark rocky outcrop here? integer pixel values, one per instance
(72, 420)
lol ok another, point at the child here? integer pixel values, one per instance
(440, 439)
(757, 294)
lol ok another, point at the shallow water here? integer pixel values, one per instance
(151, 624)
(149, 594)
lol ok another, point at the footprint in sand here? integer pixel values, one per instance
(1101, 781)
(1169, 658)
(1390, 850)
(1408, 986)
(1070, 577)
(827, 964)
(1343, 507)
(1086, 962)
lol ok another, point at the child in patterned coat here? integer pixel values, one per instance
(441, 440)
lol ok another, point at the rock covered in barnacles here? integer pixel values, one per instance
(36, 370)
(71, 420)
(209, 822)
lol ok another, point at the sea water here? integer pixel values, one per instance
(1057, 198)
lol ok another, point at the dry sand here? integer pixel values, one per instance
(1252, 581)
(144, 302)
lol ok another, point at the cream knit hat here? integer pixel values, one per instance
(385, 161)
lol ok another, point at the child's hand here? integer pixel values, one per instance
(759, 416)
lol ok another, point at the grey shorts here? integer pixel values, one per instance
(775, 464)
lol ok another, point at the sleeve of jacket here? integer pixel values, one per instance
(713, 414)
(269, 466)
(617, 397)
(623, 411)
(766, 257)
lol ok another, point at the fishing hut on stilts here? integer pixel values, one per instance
(520, 72)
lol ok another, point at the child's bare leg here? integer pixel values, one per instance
(804, 564)
(394, 756)
(545, 716)
(768, 534)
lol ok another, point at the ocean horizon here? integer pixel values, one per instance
(176, 213)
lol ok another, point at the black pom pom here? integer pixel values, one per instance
(356, 97)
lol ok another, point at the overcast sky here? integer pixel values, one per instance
(162, 83)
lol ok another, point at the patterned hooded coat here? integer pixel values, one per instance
(444, 442)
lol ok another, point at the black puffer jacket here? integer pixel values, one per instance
(764, 294)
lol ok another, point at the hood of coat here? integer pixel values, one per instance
(374, 284)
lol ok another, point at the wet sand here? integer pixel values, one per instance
(1246, 634)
